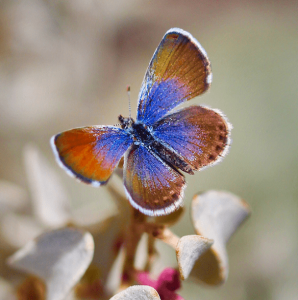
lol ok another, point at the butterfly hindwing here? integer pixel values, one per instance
(91, 153)
(152, 186)
(199, 135)
(179, 71)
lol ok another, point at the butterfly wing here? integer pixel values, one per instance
(179, 71)
(91, 153)
(152, 186)
(199, 135)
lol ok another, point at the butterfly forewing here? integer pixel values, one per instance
(152, 186)
(179, 70)
(91, 153)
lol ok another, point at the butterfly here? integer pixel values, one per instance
(161, 143)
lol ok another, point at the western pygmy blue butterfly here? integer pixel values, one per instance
(160, 143)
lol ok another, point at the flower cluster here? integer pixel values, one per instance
(70, 254)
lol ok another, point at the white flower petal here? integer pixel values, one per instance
(60, 257)
(114, 277)
(137, 292)
(50, 201)
(12, 197)
(216, 215)
(16, 230)
(188, 250)
(141, 255)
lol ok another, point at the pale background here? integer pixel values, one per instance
(66, 64)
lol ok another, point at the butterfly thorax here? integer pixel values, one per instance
(139, 132)
(144, 135)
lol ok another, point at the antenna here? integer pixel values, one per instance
(128, 93)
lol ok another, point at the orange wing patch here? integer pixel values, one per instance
(91, 153)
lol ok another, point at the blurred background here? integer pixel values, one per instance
(66, 64)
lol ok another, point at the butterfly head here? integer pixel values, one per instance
(125, 122)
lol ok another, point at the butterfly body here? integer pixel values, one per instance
(161, 143)
(144, 135)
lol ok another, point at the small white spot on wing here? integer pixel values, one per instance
(209, 78)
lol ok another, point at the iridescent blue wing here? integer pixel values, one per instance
(198, 135)
(179, 71)
(152, 186)
(91, 153)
